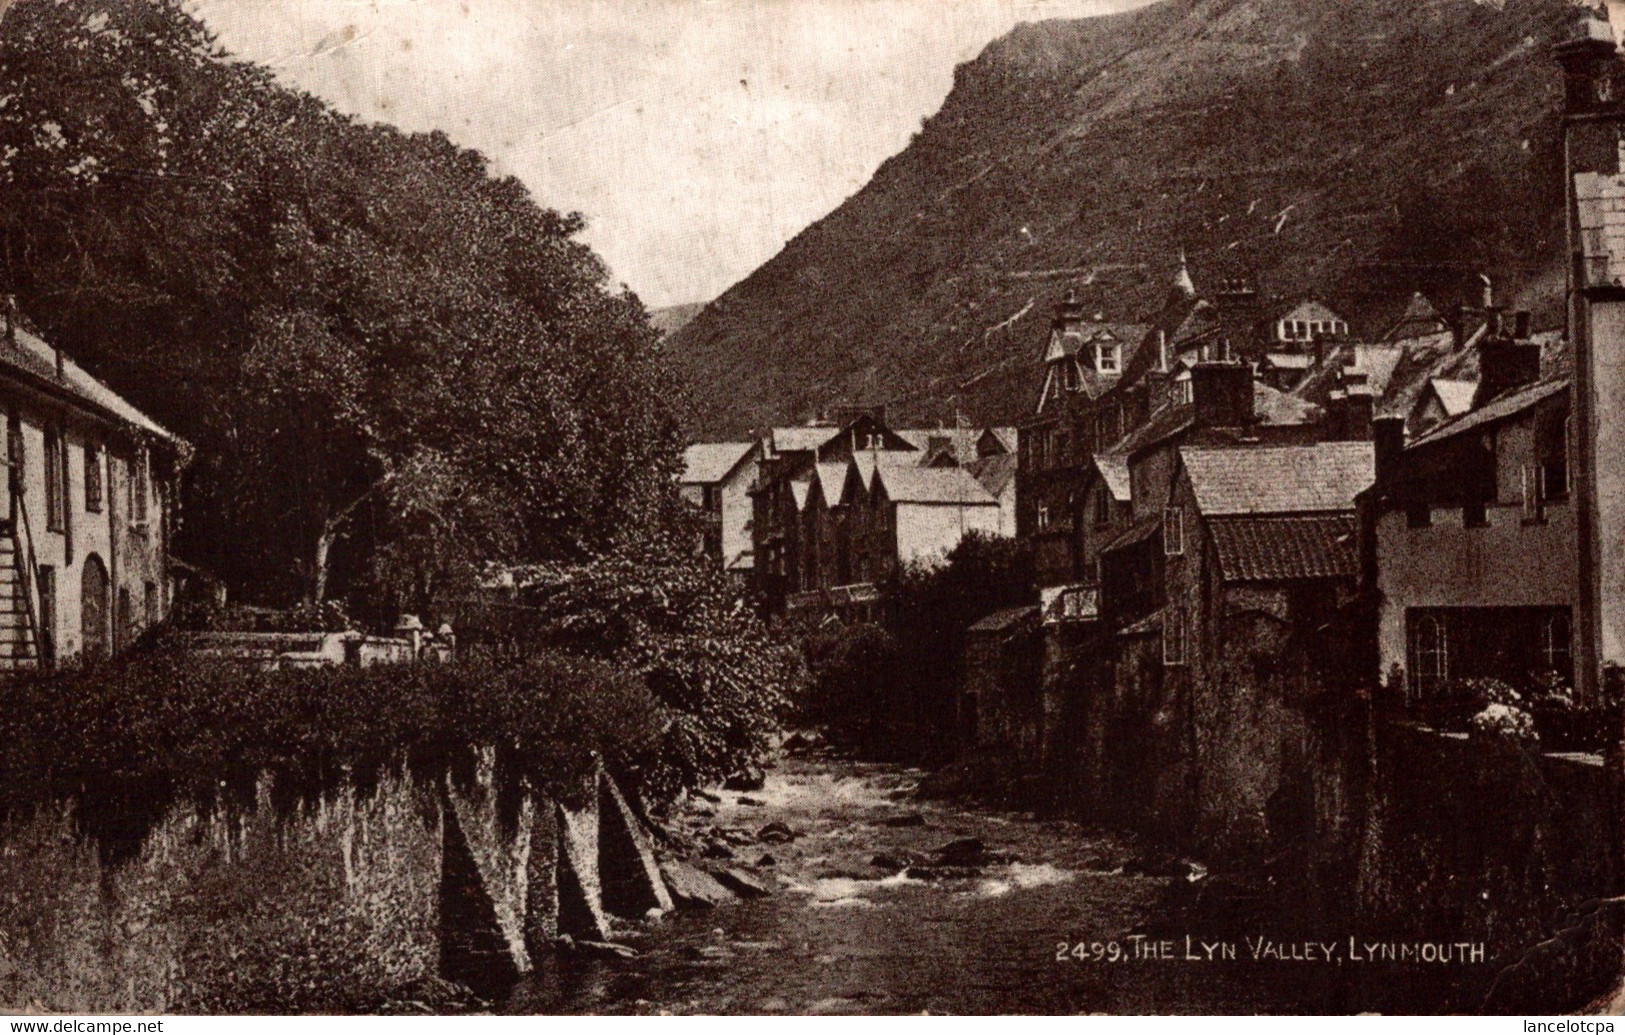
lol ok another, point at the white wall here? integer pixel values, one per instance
(736, 517)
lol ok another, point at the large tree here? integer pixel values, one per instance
(392, 363)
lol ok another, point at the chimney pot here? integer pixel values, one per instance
(1222, 393)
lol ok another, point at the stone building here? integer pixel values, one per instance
(89, 511)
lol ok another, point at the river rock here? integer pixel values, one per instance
(802, 742)
(693, 888)
(737, 836)
(745, 799)
(717, 850)
(767, 860)
(775, 833)
(714, 799)
(912, 819)
(897, 862)
(943, 872)
(966, 851)
(740, 882)
(748, 779)
(606, 950)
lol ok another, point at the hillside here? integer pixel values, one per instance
(672, 318)
(1355, 149)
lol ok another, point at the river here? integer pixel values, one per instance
(842, 936)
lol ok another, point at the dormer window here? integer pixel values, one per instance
(1108, 357)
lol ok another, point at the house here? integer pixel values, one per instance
(716, 480)
(850, 506)
(89, 510)
(1474, 539)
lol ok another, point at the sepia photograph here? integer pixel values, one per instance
(811, 507)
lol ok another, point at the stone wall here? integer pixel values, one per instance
(330, 904)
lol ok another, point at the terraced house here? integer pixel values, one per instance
(88, 515)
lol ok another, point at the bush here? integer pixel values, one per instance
(128, 738)
(850, 667)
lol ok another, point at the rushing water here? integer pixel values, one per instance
(841, 936)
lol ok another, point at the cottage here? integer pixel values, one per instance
(90, 503)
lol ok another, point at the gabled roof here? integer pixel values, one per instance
(36, 360)
(1278, 479)
(1419, 318)
(1269, 549)
(1007, 619)
(799, 488)
(961, 440)
(994, 472)
(949, 485)
(1005, 435)
(1456, 397)
(832, 480)
(1071, 341)
(1113, 470)
(1509, 405)
(706, 463)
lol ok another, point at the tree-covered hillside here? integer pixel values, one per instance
(391, 363)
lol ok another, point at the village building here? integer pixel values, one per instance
(89, 512)
(716, 481)
(842, 509)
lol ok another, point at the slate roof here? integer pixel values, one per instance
(994, 472)
(36, 359)
(963, 441)
(1508, 405)
(706, 463)
(1419, 318)
(1271, 549)
(1278, 479)
(950, 485)
(1114, 472)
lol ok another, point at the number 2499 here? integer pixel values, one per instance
(1089, 952)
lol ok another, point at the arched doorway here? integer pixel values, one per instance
(95, 607)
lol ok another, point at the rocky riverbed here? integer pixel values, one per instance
(835, 890)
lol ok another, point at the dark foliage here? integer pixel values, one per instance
(126, 740)
(394, 365)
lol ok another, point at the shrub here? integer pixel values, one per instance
(128, 738)
(1505, 722)
(850, 667)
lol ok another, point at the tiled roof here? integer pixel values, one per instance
(933, 485)
(706, 463)
(1506, 406)
(1278, 479)
(1268, 549)
(34, 357)
(1114, 472)
(994, 472)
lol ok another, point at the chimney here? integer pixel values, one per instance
(1520, 324)
(1388, 442)
(1505, 364)
(1222, 392)
(1349, 412)
(1068, 311)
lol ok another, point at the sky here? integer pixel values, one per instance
(696, 136)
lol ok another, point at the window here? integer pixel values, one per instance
(55, 482)
(1474, 515)
(1534, 506)
(1069, 375)
(14, 451)
(47, 615)
(138, 488)
(1043, 517)
(1183, 391)
(1173, 636)
(1103, 507)
(1173, 531)
(1418, 514)
(93, 479)
(1558, 648)
(1107, 358)
(1430, 653)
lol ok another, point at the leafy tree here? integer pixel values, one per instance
(393, 364)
